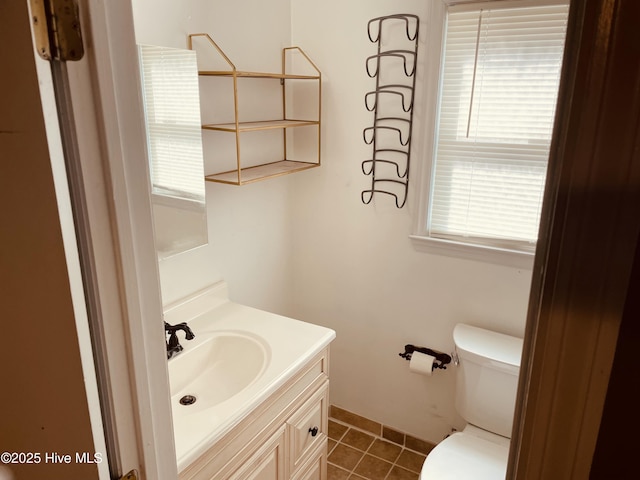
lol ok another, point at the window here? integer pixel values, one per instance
(499, 80)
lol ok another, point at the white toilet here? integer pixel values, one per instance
(486, 385)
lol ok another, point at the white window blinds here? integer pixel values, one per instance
(497, 103)
(174, 131)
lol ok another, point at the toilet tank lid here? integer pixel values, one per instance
(485, 343)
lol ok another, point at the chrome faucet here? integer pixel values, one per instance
(173, 345)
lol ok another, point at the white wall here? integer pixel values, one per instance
(354, 267)
(249, 227)
(305, 245)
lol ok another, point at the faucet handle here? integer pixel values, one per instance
(172, 329)
(173, 344)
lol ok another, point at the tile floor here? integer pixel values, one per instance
(355, 455)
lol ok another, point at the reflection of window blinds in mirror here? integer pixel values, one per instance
(172, 110)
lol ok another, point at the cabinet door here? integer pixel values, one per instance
(267, 463)
(307, 428)
(316, 467)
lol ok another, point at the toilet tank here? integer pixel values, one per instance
(487, 377)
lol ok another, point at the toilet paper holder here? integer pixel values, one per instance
(441, 359)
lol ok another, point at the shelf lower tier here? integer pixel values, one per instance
(260, 172)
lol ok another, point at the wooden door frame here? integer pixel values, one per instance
(133, 285)
(50, 399)
(101, 118)
(588, 238)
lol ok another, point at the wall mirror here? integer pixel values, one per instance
(174, 142)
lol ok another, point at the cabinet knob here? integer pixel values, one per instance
(313, 431)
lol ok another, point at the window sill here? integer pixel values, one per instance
(479, 253)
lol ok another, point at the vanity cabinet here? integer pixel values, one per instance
(284, 438)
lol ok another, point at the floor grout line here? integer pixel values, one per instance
(366, 452)
(348, 425)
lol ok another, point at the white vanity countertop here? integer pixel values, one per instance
(289, 343)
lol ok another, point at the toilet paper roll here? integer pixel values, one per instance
(421, 363)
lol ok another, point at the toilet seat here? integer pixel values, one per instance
(473, 454)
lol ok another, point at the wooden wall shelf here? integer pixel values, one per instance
(271, 168)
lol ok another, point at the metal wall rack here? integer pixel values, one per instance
(392, 101)
(243, 174)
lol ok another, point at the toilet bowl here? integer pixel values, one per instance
(486, 385)
(472, 453)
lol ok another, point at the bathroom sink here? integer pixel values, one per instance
(240, 357)
(216, 368)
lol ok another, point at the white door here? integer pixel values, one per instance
(79, 260)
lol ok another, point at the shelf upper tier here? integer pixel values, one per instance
(263, 125)
(230, 73)
(234, 72)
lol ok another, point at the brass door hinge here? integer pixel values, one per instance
(56, 27)
(132, 475)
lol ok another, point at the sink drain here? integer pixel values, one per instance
(188, 400)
